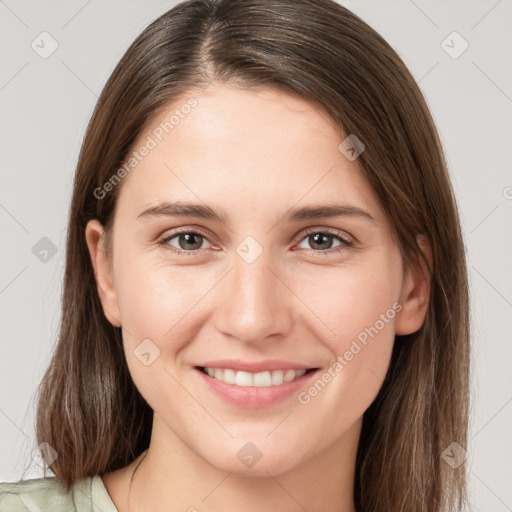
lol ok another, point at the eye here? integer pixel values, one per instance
(322, 242)
(188, 242)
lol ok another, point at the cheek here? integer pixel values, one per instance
(162, 309)
(346, 301)
(153, 299)
(359, 308)
(157, 308)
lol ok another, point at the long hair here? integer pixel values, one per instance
(89, 409)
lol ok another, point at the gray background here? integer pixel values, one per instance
(46, 103)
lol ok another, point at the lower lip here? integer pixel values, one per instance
(254, 396)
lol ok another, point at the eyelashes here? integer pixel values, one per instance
(193, 252)
(316, 237)
(311, 233)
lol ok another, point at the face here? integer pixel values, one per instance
(262, 286)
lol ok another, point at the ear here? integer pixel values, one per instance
(94, 235)
(415, 296)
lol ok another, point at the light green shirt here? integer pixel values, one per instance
(48, 494)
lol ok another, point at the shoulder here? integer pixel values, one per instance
(49, 494)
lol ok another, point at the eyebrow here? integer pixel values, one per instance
(202, 211)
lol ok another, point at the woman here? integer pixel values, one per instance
(265, 299)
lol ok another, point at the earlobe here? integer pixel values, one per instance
(102, 271)
(415, 297)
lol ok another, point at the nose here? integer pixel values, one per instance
(255, 303)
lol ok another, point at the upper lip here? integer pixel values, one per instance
(255, 366)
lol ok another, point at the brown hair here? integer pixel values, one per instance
(89, 409)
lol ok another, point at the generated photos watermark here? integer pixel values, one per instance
(151, 142)
(304, 397)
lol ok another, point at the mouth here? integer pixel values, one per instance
(262, 379)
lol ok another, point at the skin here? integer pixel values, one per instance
(253, 153)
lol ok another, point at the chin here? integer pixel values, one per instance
(255, 458)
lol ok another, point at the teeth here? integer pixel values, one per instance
(261, 379)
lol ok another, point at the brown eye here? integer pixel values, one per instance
(322, 242)
(187, 242)
(190, 241)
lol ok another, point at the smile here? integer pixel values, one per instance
(259, 379)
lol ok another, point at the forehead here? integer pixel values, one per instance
(237, 148)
